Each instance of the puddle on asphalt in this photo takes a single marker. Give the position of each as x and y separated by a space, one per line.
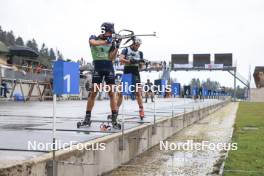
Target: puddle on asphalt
214 129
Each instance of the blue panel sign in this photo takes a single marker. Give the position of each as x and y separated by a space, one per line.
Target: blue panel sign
66 77
205 92
195 91
160 84
176 88
127 82
209 92
214 93
187 90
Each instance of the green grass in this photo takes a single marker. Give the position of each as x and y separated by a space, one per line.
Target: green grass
250 154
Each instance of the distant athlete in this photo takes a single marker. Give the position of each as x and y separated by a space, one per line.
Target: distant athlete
149 92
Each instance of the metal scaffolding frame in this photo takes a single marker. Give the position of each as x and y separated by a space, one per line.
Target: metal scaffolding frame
231 70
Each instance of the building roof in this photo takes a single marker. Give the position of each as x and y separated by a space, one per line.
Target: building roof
258 69
259 78
22 51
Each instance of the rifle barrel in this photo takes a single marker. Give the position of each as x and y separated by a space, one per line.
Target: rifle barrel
132 35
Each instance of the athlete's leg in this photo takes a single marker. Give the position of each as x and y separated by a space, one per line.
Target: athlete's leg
152 96
114 108
139 100
119 96
96 82
110 81
112 98
91 97
139 97
119 99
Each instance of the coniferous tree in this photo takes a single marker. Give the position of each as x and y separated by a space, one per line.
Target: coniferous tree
44 51
29 44
34 45
11 38
52 54
59 55
1 34
19 41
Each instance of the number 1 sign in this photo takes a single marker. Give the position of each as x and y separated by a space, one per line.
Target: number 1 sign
66 77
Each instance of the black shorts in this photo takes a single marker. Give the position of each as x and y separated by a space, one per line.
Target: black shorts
134 71
109 77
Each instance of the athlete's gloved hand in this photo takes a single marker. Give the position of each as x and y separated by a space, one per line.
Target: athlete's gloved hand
109 40
133 61
118 42
142 61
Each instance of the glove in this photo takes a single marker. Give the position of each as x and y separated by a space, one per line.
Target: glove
142 61
133 61
118 42
109 40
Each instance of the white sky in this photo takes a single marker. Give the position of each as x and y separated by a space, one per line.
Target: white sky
183 26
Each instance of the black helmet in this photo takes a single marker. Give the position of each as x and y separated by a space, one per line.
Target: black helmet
107 27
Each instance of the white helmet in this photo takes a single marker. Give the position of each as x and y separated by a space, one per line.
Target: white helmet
137 40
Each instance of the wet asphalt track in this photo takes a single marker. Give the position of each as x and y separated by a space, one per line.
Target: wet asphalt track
21 123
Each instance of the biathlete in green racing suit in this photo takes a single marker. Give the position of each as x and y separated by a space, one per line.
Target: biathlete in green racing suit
104 51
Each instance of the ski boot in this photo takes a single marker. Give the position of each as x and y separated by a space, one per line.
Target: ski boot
85 122
141 113
109 117
115 124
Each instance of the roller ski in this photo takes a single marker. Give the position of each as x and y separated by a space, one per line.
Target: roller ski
85 122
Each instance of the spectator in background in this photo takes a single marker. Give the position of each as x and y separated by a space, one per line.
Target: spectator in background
38 68
30 68
148 91
82 62
3 89
164 65
146 64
